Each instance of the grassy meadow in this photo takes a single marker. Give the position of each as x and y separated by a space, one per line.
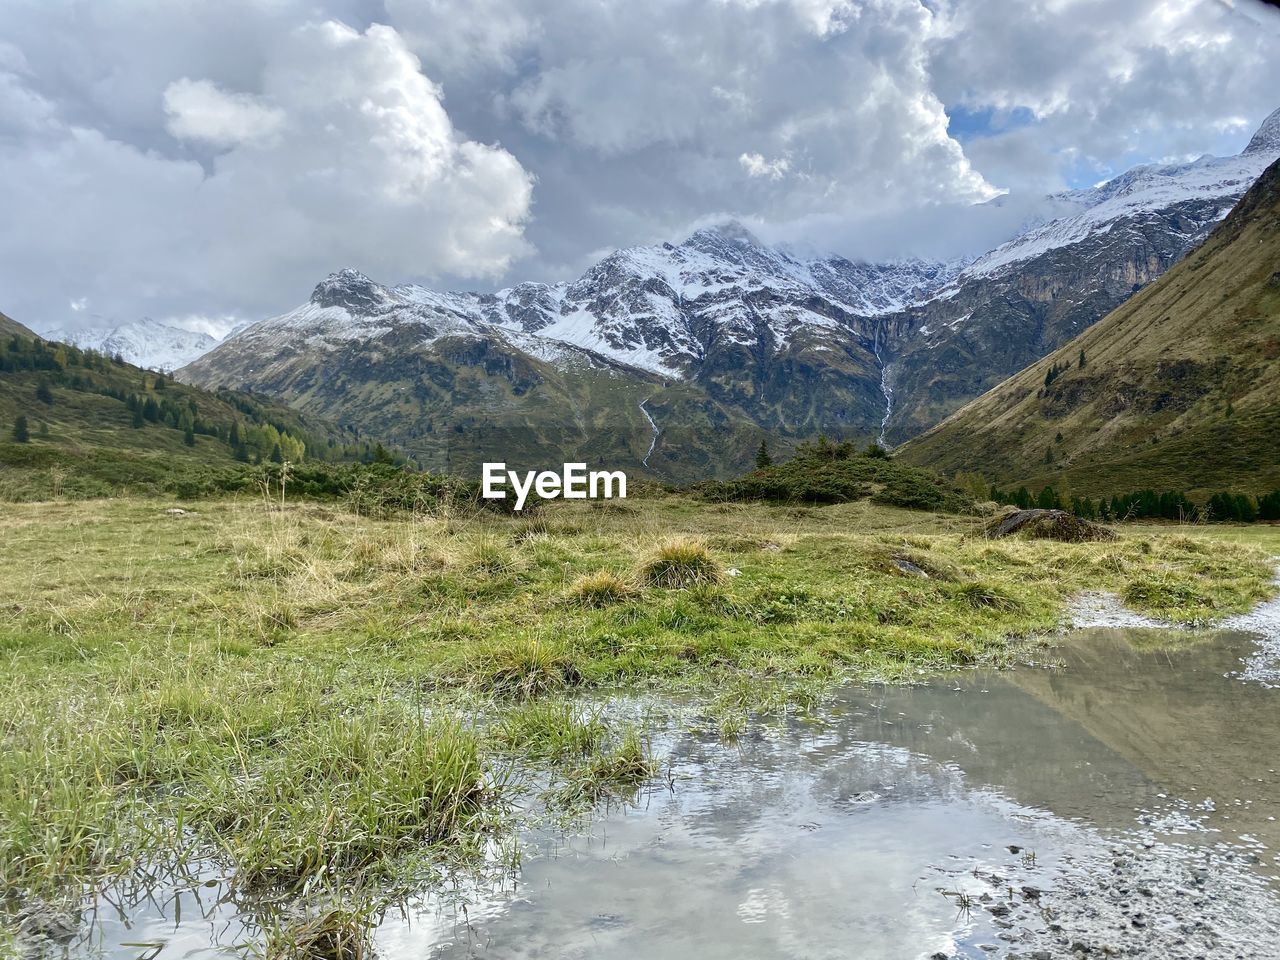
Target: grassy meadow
325 700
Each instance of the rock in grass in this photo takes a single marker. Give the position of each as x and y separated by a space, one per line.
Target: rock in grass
1048 525
39 920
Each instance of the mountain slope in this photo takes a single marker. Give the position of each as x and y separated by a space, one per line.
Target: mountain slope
10 327
1180 387
97 427
144 343
1031 295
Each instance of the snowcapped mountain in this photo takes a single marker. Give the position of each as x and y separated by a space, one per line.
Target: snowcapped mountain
144 343
721 326
1218 181
658 309
724 339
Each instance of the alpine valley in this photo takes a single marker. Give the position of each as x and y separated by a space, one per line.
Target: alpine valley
677 360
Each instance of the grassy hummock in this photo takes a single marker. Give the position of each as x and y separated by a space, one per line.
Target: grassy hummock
324 698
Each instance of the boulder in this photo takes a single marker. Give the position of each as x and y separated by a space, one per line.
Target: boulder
1048 525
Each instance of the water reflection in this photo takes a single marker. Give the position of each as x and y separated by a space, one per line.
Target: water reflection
905 822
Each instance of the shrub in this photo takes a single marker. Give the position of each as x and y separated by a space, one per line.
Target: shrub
834 474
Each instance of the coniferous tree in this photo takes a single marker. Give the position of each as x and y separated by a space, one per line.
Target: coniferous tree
762 456
138 419
189 437
1269 506
1082 360
44 394
21 431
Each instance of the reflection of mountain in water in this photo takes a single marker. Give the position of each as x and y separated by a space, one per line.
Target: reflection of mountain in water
1178 716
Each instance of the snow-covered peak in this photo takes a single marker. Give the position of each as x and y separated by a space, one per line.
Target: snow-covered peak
715 238
1216 181
1267 138
656 308
351 289
144 343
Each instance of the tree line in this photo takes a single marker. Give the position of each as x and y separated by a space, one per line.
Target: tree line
1149 505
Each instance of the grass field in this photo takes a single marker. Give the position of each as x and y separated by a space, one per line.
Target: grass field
323 700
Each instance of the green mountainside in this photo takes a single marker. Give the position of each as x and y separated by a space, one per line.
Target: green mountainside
10 327
1179 388
77 423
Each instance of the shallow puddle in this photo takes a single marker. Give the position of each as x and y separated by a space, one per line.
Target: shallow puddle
1123 800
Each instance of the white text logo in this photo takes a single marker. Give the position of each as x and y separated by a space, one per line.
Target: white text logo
572 483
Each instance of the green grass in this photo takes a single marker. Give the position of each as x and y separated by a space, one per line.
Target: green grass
326 699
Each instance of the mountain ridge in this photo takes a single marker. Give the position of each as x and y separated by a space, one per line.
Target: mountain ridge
11 327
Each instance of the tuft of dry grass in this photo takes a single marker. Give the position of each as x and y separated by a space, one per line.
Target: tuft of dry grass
600 589
681 562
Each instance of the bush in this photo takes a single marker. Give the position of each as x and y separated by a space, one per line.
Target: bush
835 474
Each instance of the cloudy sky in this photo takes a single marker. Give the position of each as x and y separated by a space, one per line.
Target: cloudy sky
201 162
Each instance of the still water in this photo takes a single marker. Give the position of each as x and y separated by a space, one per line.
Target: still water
1123 799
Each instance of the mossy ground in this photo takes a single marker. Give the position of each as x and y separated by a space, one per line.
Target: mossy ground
327 699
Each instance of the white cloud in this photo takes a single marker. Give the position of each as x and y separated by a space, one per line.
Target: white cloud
1107 84
199 110
345 155
215 160
757 166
